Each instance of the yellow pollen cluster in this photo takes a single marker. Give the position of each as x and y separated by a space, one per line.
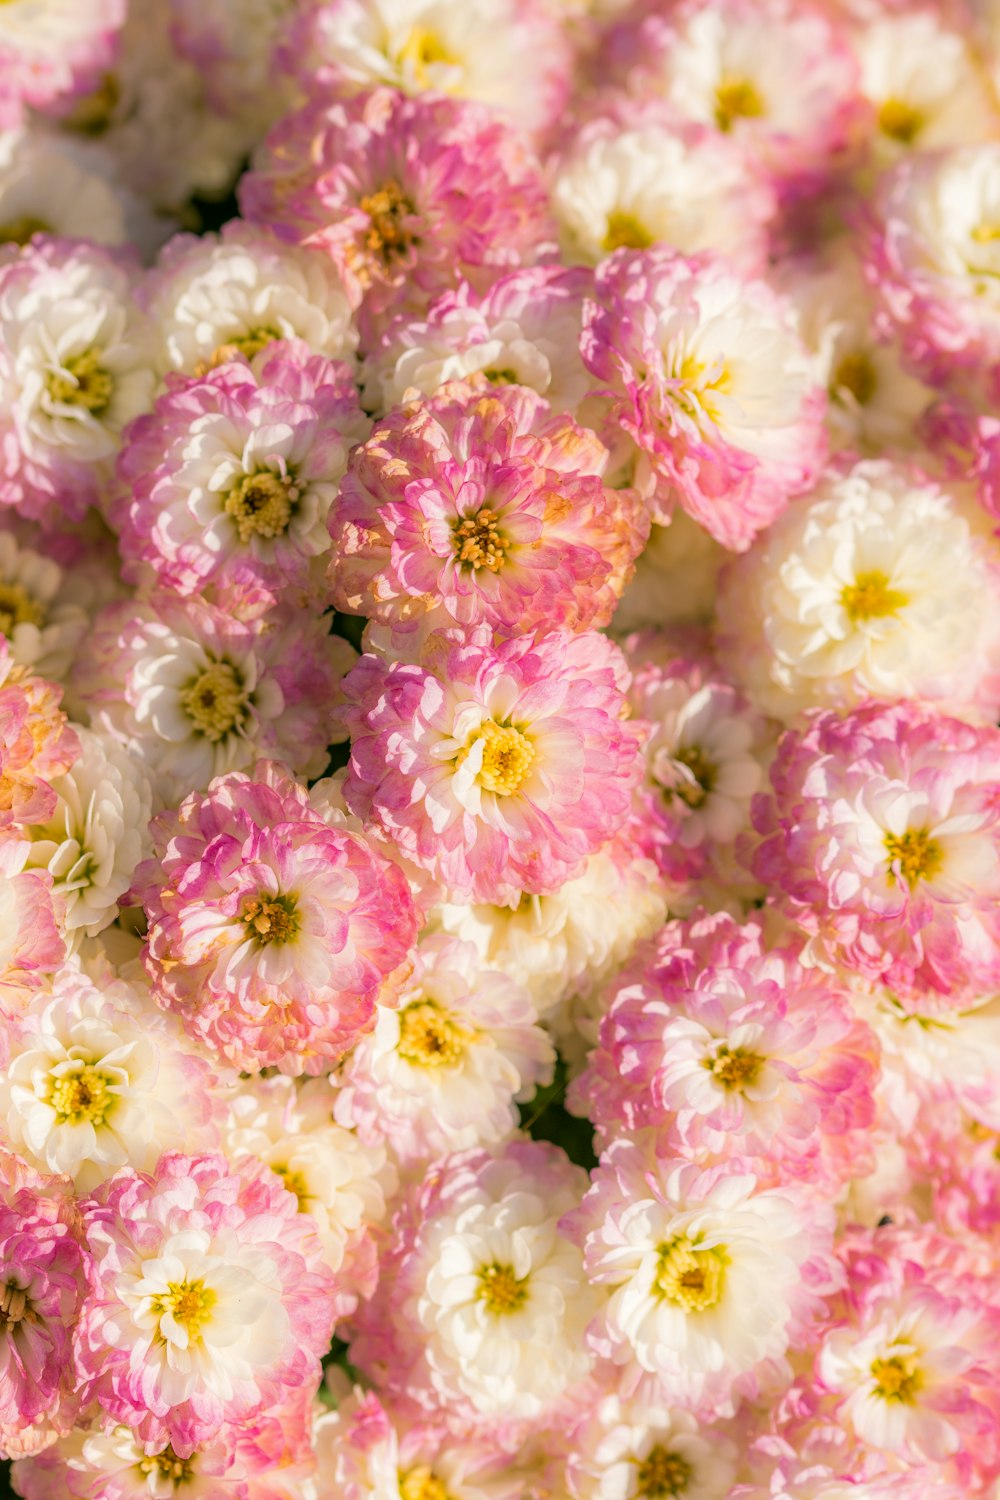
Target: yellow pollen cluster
479 542
295 1183
429 1037
190 1304
421 1484
689 1277
986 234
500 377
168 1466
94 113
625 231
662 1474
215 701
388 209
500 1290
270 920
919 855
735 1070
897 1378
14 1306
703 771
20 231
262 504
736 99
423 49
870 597
17 607
82 381
856 374
900 121
248 344
81 1097
507 757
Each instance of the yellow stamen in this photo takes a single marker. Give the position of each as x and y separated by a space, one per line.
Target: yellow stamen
421 1484
248 344
500 1289
17 607
507 757
94 113
168 1466
856 374
19 231
735 1070
662 1475
270 920
900 121
625 231
388 209
14 1306
690 1278
81 1097
693 793
215 701
190 1304
294 1183
918 854
85 383
479 542
424 49
262 504
429 1037
870 597
736 99
897 1378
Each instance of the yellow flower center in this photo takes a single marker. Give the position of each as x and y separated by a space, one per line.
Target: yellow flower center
168 1466
17 607
625 231
388 209
421 1483
870 597
735 1070
479 542
82 1096
736 99
262 504
215 701
429 1037
248 344
424 49
919 855
270 919
688 1277
507 757
662 1474
294 1183
14 1306
500 1289
897 1378
190 1304
693 793
94 113
82 381
856 374
20 231
501 377
900 121
986 234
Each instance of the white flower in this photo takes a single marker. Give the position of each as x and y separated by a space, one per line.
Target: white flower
874 586
100 1079
214 297
675 578
629 1451
42 610
97 834
47 186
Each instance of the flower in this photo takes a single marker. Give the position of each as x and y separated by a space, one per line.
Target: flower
499 768
624 1450
269 931
43 608
36 744
51 51
47 186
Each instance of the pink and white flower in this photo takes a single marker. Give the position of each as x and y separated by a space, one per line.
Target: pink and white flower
53 51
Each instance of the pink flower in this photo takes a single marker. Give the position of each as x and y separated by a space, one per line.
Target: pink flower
497 767
705 373
227 484
31 944
42 1277
209 1299
881 839
54 53
482 507
722 1046
406 195
36 744
270 932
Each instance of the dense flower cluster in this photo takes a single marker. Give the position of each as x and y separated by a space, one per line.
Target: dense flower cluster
499 765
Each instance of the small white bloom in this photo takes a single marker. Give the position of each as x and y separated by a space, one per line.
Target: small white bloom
43 609
631 1451
47 186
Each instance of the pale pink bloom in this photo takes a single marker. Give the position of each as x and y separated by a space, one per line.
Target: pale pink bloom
621 1448
31 943
497 767
37 745
706 374
209 1299
406 196
113 1464
881 839
482 507
54 52
269 931
226 486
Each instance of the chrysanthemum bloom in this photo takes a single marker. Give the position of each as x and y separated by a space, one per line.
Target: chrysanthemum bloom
442 1071
933 257
722 1046
44 606
194 692
965 440
53 51
94 1079
497 767
233 45
228 483
49 186
483 1304
707 376
31 944
42 1276
36 744
875 585
76 365
481 507
524 330
342 1183
703 758
236 292
405 195
90 1464
209 1299
270 932
512 55
781 79
880 838
636 175
709 1277
626 1450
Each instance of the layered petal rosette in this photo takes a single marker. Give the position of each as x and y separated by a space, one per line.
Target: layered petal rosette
496 767
269 931
53 51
